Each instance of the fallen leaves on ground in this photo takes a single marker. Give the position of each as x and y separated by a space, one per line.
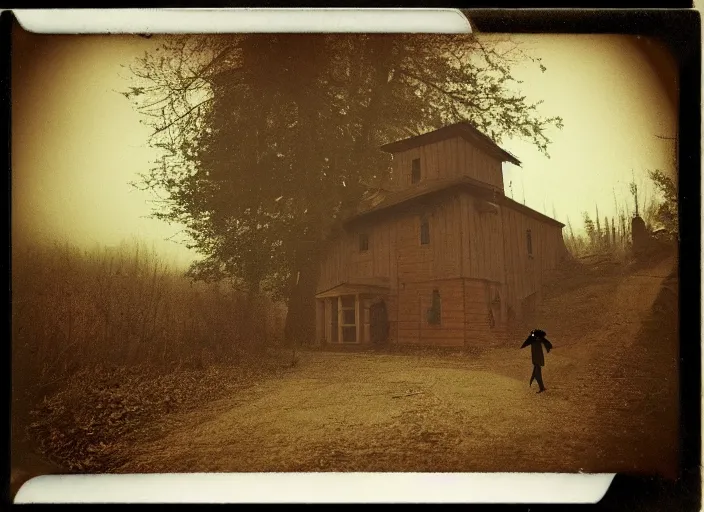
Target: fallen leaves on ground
86 426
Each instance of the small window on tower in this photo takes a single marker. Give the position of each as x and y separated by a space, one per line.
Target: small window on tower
424 231
363 242
529 243
415 170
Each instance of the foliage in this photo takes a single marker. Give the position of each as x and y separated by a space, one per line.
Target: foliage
666 212
103 341
269 140
76 309
615 236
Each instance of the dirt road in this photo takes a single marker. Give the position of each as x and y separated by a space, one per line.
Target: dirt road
610 405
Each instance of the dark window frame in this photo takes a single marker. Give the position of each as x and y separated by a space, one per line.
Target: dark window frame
415 171
529 242
434 315
348 305
363 242
424 230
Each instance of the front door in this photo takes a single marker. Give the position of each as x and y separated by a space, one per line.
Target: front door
378 322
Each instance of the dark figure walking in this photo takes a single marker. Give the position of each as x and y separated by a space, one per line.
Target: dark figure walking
536 340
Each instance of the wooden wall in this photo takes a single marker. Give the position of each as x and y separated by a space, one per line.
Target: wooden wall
450 158
524 273
475 163
480 310
440 259
473 256
343 261
483 242
414 300
395 251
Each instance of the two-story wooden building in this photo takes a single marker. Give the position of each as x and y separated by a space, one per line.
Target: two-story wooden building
451 257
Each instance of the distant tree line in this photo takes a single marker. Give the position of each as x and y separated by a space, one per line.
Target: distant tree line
613 234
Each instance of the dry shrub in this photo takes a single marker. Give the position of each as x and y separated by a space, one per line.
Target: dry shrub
119 313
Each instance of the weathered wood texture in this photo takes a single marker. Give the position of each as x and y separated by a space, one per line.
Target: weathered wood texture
484 318
414 300
477 258
395 251
464 243
449 158
482 242
440 259
344 261
524 271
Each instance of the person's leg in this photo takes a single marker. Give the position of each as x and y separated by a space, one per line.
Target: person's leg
532 377
539 378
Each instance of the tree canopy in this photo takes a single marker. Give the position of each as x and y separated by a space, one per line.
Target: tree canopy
269 140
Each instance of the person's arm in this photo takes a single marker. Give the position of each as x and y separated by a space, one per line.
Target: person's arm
547 343
528 341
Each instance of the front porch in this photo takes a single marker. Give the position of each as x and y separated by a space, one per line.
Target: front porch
343 313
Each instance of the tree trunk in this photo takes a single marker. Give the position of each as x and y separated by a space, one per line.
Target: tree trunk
300 317
253 318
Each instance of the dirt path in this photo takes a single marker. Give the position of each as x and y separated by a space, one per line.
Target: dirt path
603 410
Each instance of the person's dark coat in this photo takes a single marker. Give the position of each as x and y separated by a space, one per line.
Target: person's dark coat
536 340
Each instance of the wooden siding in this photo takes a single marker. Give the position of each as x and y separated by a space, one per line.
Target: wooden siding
393 316
477 257
395 251
343 261
414 300
524 272
440 259
475 163
479 310
482 242
446 159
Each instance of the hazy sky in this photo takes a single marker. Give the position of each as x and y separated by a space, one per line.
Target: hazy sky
77 143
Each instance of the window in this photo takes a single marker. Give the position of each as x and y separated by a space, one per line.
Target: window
424 231
415 170
363 242
333 321
349 319
529 243
434 311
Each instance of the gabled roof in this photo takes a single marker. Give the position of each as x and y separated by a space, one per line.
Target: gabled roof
425 188
465 130
436 187
369 285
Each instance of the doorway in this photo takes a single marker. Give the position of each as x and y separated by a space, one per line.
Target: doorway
378 322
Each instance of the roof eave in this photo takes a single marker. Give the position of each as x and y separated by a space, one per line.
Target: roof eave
464 183
452 131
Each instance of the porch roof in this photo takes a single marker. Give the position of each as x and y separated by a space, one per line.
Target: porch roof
373 286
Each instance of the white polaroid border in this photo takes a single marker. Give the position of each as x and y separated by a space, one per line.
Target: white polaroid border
318 488
184 21
289 487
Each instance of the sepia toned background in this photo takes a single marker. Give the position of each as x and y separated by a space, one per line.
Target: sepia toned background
77 143
122 364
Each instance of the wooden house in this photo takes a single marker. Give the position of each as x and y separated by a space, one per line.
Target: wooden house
452 259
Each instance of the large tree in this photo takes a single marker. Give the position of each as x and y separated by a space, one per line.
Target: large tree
269 140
